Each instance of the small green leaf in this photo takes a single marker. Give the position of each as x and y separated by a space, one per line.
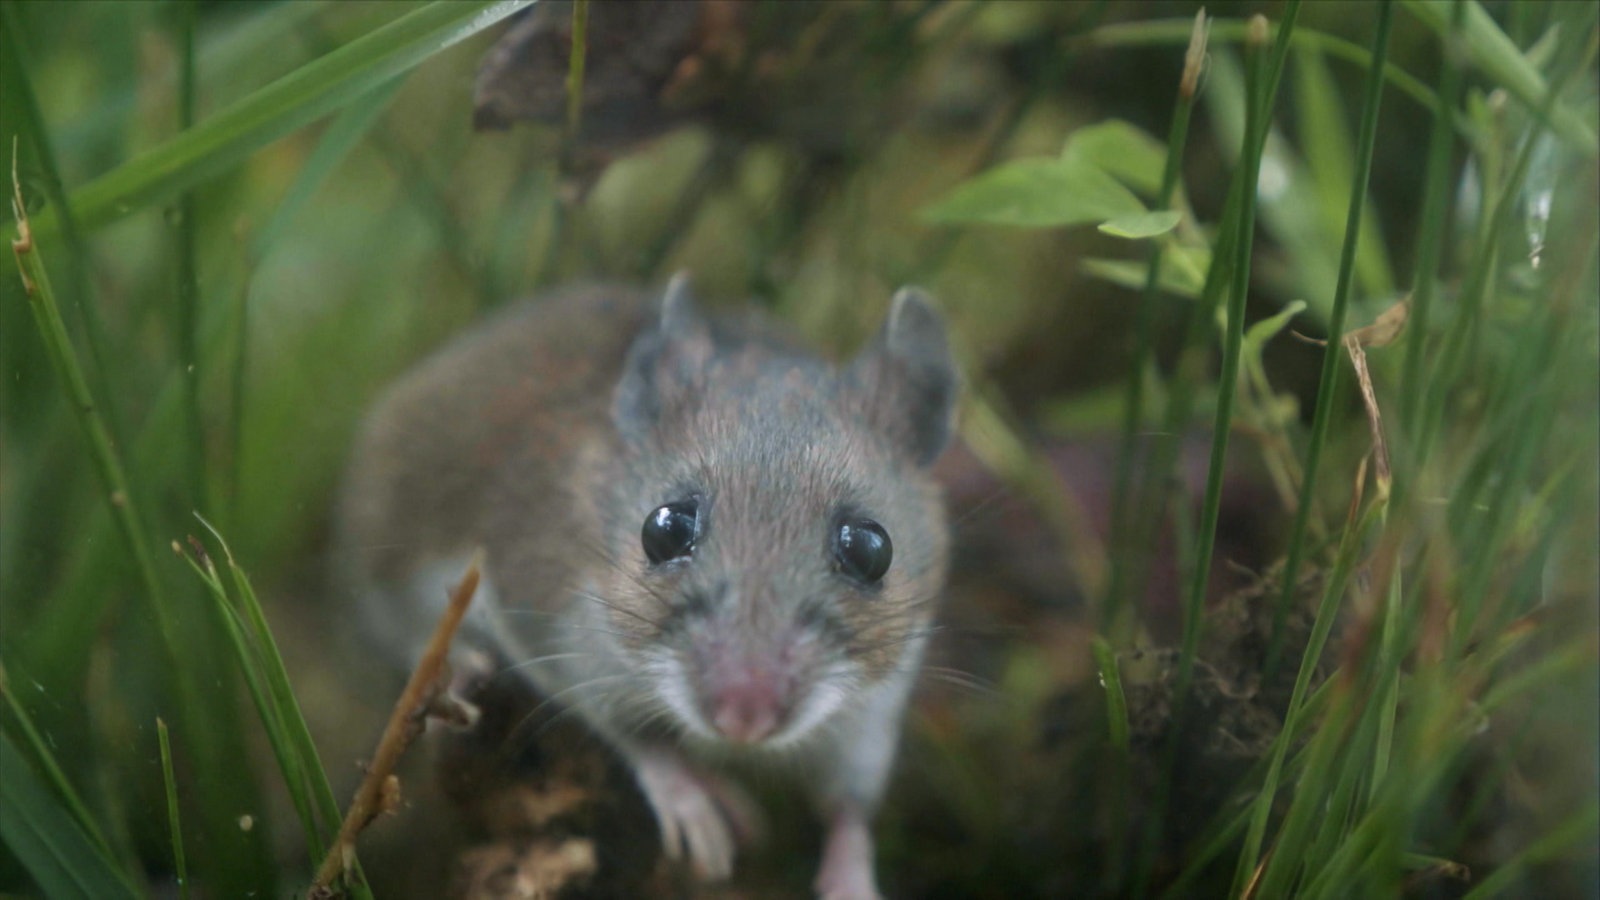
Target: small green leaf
1142 225
1036 193
1182 271
1120 149
1257 335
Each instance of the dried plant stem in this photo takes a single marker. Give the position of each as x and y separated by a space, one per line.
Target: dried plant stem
405 722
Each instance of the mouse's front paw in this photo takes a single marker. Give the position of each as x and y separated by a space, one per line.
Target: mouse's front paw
847 862
697 813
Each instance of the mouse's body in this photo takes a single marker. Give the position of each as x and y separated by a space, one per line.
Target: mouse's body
711 545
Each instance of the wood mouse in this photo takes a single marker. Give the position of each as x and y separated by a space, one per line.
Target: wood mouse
716 548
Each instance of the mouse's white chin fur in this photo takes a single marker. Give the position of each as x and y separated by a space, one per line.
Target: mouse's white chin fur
820 702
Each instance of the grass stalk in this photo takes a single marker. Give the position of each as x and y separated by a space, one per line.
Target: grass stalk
257 654
1328 386
1122 548
198 714
1433 227
1257 113
62 860
1321 627
113 479
290 764
46 759
18 78
1480 276
186 324
1229 269
575 61
179 865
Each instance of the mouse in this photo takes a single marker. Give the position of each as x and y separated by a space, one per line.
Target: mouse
719 549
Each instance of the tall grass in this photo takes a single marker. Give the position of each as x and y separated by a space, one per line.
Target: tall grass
233 278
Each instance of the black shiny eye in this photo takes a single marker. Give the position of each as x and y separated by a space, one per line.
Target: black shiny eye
863 550
670 531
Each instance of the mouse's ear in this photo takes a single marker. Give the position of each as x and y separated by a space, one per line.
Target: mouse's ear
665 363
908 379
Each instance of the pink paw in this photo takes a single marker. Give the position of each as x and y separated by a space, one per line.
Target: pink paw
847 862
699 815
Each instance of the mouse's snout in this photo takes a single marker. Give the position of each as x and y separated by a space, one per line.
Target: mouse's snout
747 702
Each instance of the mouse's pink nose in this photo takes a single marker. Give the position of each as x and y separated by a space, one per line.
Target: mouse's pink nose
748 708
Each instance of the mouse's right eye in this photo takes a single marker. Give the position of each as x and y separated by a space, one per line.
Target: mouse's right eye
669 532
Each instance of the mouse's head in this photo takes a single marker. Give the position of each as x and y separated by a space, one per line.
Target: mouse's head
776 544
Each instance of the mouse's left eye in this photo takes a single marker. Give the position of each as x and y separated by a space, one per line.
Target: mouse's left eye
670 531
863 550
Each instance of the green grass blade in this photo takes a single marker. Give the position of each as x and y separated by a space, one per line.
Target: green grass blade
1333 353
1105 660
185 320
302 96
1176 31
52 769
16 74
1226 272
63 860
174 823
1133 404
1493 52
283 750
1433 225
286 707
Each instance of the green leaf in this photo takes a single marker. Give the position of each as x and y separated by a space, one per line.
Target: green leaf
62 859
1257 335
1182 271
1036 193
1143 225
304 95
1120 149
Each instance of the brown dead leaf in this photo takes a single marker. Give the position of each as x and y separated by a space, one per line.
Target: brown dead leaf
1386 327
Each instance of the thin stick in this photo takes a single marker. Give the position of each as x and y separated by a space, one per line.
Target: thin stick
405 723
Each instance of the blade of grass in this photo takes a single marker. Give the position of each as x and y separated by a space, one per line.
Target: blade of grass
1232 31
276 678
52 770
185 321
113 480
1453 356
1133 405
198 712
171 783
1432 227
1260 93
290 764
1322 625
1105 660
228 137
18 80
63 860
1332 364
1489 48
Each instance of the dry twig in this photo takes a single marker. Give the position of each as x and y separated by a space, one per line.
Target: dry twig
379 791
